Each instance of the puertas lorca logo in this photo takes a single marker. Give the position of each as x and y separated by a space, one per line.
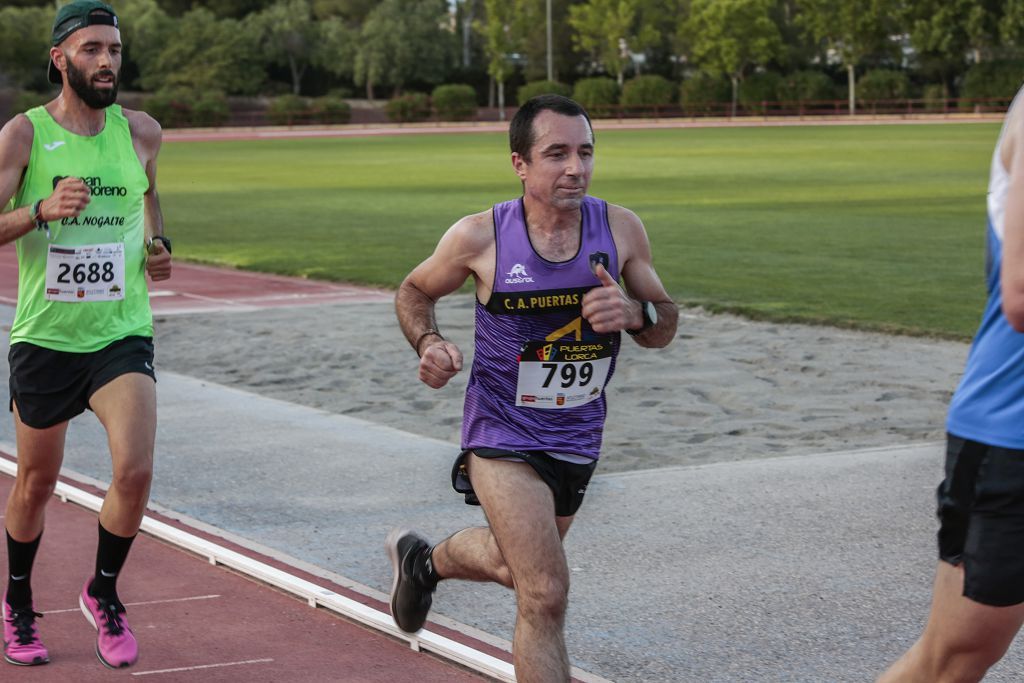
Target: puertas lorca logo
518 275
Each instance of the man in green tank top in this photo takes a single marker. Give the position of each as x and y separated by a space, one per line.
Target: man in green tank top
78 179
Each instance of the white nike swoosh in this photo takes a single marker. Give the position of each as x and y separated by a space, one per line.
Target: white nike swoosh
19 578
53 145
108 574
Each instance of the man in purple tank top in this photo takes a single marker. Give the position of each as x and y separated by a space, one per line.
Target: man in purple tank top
549 315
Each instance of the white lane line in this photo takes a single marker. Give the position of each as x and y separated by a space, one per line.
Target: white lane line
201 666
147 602
313 594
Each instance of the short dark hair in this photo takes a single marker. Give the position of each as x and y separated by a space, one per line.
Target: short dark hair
520 131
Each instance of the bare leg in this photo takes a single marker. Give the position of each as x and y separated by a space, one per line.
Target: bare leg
127 408
962 640
523 549
40 453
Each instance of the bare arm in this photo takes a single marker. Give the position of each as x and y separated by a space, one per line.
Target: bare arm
147 137
69 197
610 309
1012 270
441 274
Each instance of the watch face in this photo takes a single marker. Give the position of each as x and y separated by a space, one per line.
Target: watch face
652 312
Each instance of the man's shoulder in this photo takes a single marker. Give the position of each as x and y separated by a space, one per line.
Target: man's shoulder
144 127
619 217
19 131
16 140
476 228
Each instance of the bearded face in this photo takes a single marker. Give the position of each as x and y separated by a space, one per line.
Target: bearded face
98 90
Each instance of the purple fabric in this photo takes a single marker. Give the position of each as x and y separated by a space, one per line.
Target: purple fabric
491 418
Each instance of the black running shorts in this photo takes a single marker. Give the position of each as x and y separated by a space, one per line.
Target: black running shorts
50 387
981 511
567 480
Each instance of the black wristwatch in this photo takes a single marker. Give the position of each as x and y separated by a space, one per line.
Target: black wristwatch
165 240
650 314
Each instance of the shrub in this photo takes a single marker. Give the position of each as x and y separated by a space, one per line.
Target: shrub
330 109
171 107
990 80
648 91
211 109
806 86
454 102
703 93
758 89
288 110
883 84
934 96
534 88
413 106
598 95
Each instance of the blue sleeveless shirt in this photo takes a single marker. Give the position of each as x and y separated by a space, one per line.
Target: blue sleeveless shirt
539 369
988 406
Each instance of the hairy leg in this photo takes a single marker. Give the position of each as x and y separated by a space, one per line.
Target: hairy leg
962 639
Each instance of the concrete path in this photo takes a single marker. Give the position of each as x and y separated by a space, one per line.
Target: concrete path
806 568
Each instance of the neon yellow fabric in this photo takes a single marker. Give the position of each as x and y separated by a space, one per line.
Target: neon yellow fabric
108 164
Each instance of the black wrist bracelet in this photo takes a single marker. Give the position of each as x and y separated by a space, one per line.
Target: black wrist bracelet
423 336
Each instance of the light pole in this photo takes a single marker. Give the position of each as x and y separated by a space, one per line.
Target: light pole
551 64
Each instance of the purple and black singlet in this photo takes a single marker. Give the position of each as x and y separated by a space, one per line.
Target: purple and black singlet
539 370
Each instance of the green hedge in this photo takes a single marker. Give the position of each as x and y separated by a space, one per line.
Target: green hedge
702 92
598 95
648 91
759 88
454 102
806 86
171 107
330 109
407 108
29 99
211 109
883 84
534 88
989 80
288 110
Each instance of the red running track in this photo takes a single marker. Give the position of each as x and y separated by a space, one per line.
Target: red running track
206 289
198 622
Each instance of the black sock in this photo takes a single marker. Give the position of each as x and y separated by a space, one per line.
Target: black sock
428 576
111 552
20 557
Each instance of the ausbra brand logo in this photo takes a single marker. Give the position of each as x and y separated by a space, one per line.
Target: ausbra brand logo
518 275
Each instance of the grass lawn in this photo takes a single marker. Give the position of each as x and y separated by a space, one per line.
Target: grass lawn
878 227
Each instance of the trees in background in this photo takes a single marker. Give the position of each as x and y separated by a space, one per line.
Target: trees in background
312 47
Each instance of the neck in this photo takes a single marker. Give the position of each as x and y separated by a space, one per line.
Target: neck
72 114
547 219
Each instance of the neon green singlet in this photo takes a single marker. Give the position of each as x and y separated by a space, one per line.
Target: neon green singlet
108 164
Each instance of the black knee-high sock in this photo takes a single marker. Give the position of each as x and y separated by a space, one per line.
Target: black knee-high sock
20 557
111 552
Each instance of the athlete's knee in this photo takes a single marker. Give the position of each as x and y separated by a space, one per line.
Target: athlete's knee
545 597
133 476
34 488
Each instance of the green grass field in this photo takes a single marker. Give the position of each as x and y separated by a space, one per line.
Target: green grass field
877 227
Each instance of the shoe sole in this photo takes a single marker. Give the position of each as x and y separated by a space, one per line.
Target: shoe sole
88 615
391 544
17 663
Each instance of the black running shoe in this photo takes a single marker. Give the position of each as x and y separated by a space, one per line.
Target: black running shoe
411 595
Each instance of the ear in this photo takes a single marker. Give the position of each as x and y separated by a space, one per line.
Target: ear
59 59
519 165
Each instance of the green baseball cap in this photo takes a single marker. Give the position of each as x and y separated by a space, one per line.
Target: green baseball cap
73 16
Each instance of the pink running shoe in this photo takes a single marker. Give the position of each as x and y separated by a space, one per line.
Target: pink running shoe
21 637
116 646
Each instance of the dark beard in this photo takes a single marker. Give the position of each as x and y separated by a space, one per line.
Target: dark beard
93 98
